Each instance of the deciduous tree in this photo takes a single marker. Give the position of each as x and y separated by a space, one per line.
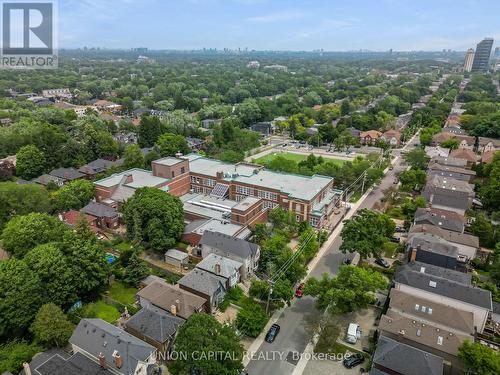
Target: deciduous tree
51 327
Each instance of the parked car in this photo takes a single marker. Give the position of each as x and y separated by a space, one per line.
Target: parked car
383 263
272 333
400 229
354 360
346 261
395 239
298 292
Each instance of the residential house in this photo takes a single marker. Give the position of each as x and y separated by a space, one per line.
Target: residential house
430 249
445 291
196 144
437 151
445 273
487 157
58 362
205 284
171 298
98 166
354 132
113 348
465 153
106 217
457 173
237 249
448 220
67 174
488 145
392 137
221 266
441 137
466 244
466 142
395 358
107 106
194 230
154 326
369 137
208 123
45 179
452 162
448 194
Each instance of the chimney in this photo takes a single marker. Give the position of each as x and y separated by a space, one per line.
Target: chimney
118 360
27 369
173 310
178 154
217 268
102 360
413 254
178 304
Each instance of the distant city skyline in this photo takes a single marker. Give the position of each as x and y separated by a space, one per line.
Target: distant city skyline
401 25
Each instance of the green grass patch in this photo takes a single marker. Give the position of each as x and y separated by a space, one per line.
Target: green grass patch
181 245
389 249
122 293
396 213
355 196
122 246
264 160
100 310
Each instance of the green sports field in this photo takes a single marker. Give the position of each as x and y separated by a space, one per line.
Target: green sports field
291 156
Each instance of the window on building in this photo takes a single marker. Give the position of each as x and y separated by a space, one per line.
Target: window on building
429 311
417 307
440 340
419 332
173 174
424 308
183 170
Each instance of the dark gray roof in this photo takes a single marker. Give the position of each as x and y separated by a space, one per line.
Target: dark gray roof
66 173
97 336
78 364
405 359
155 323
456 162
432 243
446 198
376 371
444 287
229 244
96 166
202 281
99 210
42 357
442 218
146 150
44 179
445 273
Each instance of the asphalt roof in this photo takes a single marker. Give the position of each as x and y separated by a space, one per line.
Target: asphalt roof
444 287
67 173
448 235
202 281
77 364
445 219
405 359
227 266
446 273
155 323
99 210
229 244
432 243
96 336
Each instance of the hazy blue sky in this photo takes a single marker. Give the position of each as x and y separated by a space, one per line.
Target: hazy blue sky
335 25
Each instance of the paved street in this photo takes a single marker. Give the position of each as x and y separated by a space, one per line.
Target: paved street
293 335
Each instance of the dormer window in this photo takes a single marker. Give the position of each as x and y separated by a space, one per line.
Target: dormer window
432 284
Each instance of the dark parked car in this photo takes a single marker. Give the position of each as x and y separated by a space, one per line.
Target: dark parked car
395 239
400 230
272 333
382 262
346 261
354 360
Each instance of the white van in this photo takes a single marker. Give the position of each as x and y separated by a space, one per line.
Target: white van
352 333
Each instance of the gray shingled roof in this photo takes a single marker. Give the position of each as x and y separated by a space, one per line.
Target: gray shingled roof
155 323
227 266
442 218
432 243
448 235
229 244
78 364
202 281
446 273
96 166
444 287
66 173
405 359
99 210
97 336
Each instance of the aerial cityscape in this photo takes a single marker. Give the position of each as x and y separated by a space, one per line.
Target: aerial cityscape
249 187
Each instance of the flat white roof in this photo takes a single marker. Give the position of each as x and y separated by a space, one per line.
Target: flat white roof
169 161
140 178
297 186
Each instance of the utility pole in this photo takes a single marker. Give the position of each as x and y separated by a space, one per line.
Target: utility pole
271 286
364 180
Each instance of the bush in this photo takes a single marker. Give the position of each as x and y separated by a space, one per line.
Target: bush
14 354
251 319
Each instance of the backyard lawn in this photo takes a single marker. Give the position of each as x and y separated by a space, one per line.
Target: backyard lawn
101 310
291 156
122 293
